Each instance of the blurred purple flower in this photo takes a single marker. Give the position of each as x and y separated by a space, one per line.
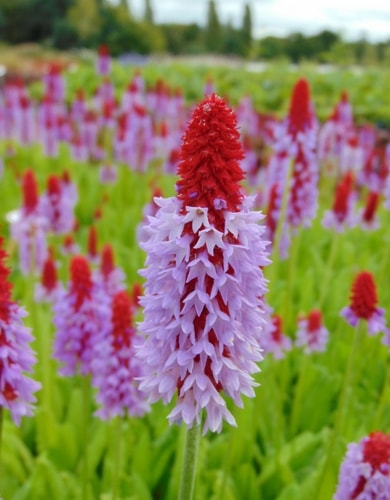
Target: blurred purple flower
16 356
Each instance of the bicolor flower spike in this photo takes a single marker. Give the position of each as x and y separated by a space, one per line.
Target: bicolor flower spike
16 356
364 304
116 370
203 305
311 333
81 317
365 471
275 342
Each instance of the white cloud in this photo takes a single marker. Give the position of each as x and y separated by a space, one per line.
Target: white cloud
351 18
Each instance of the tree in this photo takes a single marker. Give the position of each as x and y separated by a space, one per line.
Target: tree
246 31
123 34
85 17
148 14
213 34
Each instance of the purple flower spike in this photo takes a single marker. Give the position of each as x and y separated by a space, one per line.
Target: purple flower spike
364 473
116 370
81 317
203 304
16 356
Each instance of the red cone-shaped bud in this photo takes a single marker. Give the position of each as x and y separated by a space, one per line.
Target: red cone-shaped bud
66 177
92 242
107 261
299 113
103 50
81 281
314 320
371 207
49 274
376 452
342 196
122 320
30 192
211 151
364 297
277 327
53 185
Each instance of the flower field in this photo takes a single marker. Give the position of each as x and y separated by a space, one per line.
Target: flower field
174 238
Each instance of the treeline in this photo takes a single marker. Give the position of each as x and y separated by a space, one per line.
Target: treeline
68 24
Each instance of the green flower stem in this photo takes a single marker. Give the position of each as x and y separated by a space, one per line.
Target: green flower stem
298 394
290 277
84 444
189 463
328 267
323 493
382 398
117 424
272 269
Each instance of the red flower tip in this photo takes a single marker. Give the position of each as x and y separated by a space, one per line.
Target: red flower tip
299 112
344 96
98 214
122 320
66 177
376 452
30 192
80 94
211 150
277 327
342 194
49 274
81 281
54 68
53 185
314 320
92 242
371 206
107 260
104 51
5 285
68 241
271 218
364 298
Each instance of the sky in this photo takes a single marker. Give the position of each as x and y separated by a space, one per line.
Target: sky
352 19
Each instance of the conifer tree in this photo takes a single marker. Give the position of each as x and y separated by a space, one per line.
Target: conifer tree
246 30
148 14
213 33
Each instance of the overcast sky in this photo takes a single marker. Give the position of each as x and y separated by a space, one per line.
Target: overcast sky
351 18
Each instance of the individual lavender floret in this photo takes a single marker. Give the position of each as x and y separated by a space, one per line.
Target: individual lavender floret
108 174
16 356
116 370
